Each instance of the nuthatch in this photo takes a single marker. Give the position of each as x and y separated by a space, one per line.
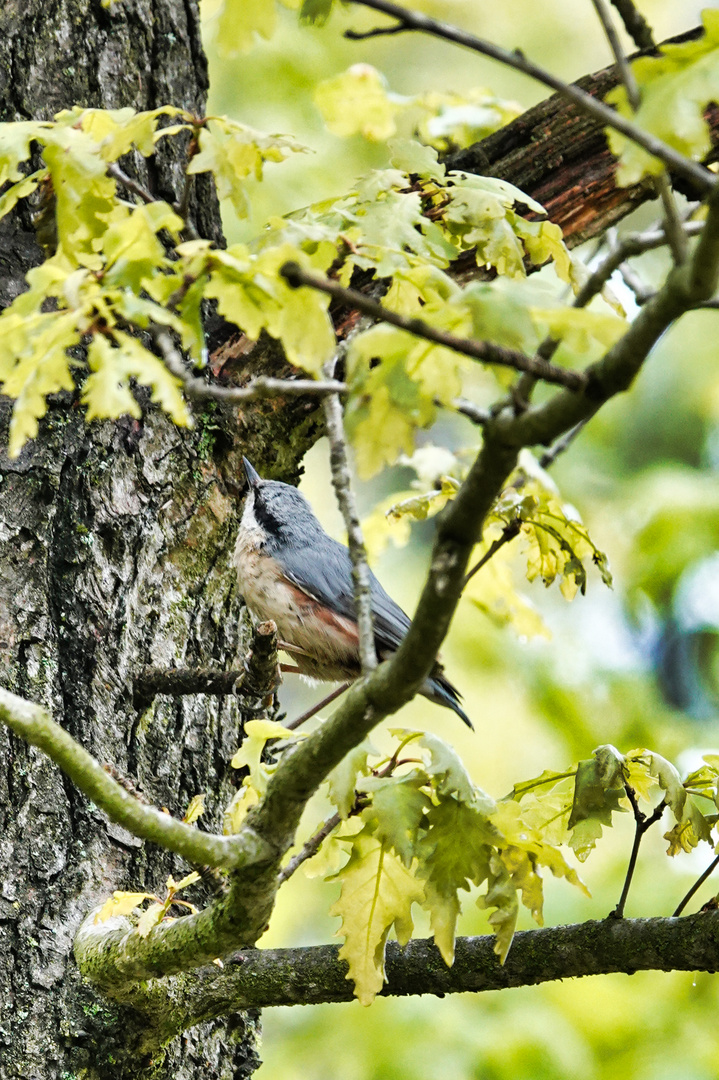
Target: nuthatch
292 572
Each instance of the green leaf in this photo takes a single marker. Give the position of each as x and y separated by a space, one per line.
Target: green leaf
357 103
117 131
107 389
239 24
253 295
152 916
676 87
20 190
397 812
450 776
41 368
232 152
455 851
315 11
415 159
377 894
121 903
502 896
344 777
131 247
599 786
257 734
15 140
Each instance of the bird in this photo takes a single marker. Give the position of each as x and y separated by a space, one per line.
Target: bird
292 572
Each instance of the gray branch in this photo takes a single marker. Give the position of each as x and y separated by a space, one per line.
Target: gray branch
342 482
261 978
485 351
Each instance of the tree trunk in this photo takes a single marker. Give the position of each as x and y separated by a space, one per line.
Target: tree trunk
114 540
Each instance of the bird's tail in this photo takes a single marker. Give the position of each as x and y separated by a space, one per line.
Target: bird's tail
440 690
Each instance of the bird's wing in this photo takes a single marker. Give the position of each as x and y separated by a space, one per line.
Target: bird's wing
326 575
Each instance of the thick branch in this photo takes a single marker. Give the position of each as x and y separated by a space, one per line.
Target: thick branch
260 978
33 724
559 156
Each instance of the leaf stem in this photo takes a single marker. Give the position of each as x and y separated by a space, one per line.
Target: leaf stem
511 529
642 823
696 886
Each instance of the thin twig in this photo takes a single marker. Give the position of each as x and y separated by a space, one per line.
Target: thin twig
114 170
635 24
702 178
695 887
642 823
299 720
471 411
342 482
628 247
509 532
485 351
635 284
550 456
182 206
625 72
310 848
261 387
378 31
675 234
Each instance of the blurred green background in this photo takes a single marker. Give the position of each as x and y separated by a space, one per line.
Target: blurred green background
637 666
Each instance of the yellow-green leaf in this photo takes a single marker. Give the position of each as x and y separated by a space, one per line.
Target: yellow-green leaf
121 903
377 894
357 103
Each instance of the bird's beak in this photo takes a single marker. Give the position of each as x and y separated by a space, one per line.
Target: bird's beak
253 477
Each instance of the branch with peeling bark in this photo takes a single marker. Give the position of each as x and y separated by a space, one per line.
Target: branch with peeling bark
408 20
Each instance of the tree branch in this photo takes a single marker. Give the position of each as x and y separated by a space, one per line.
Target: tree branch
271 826
35 725
257 389
257 678
696 174
342 483
675 234
485 351
261 978
635 24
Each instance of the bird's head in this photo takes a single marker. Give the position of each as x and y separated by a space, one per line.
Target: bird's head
279 511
